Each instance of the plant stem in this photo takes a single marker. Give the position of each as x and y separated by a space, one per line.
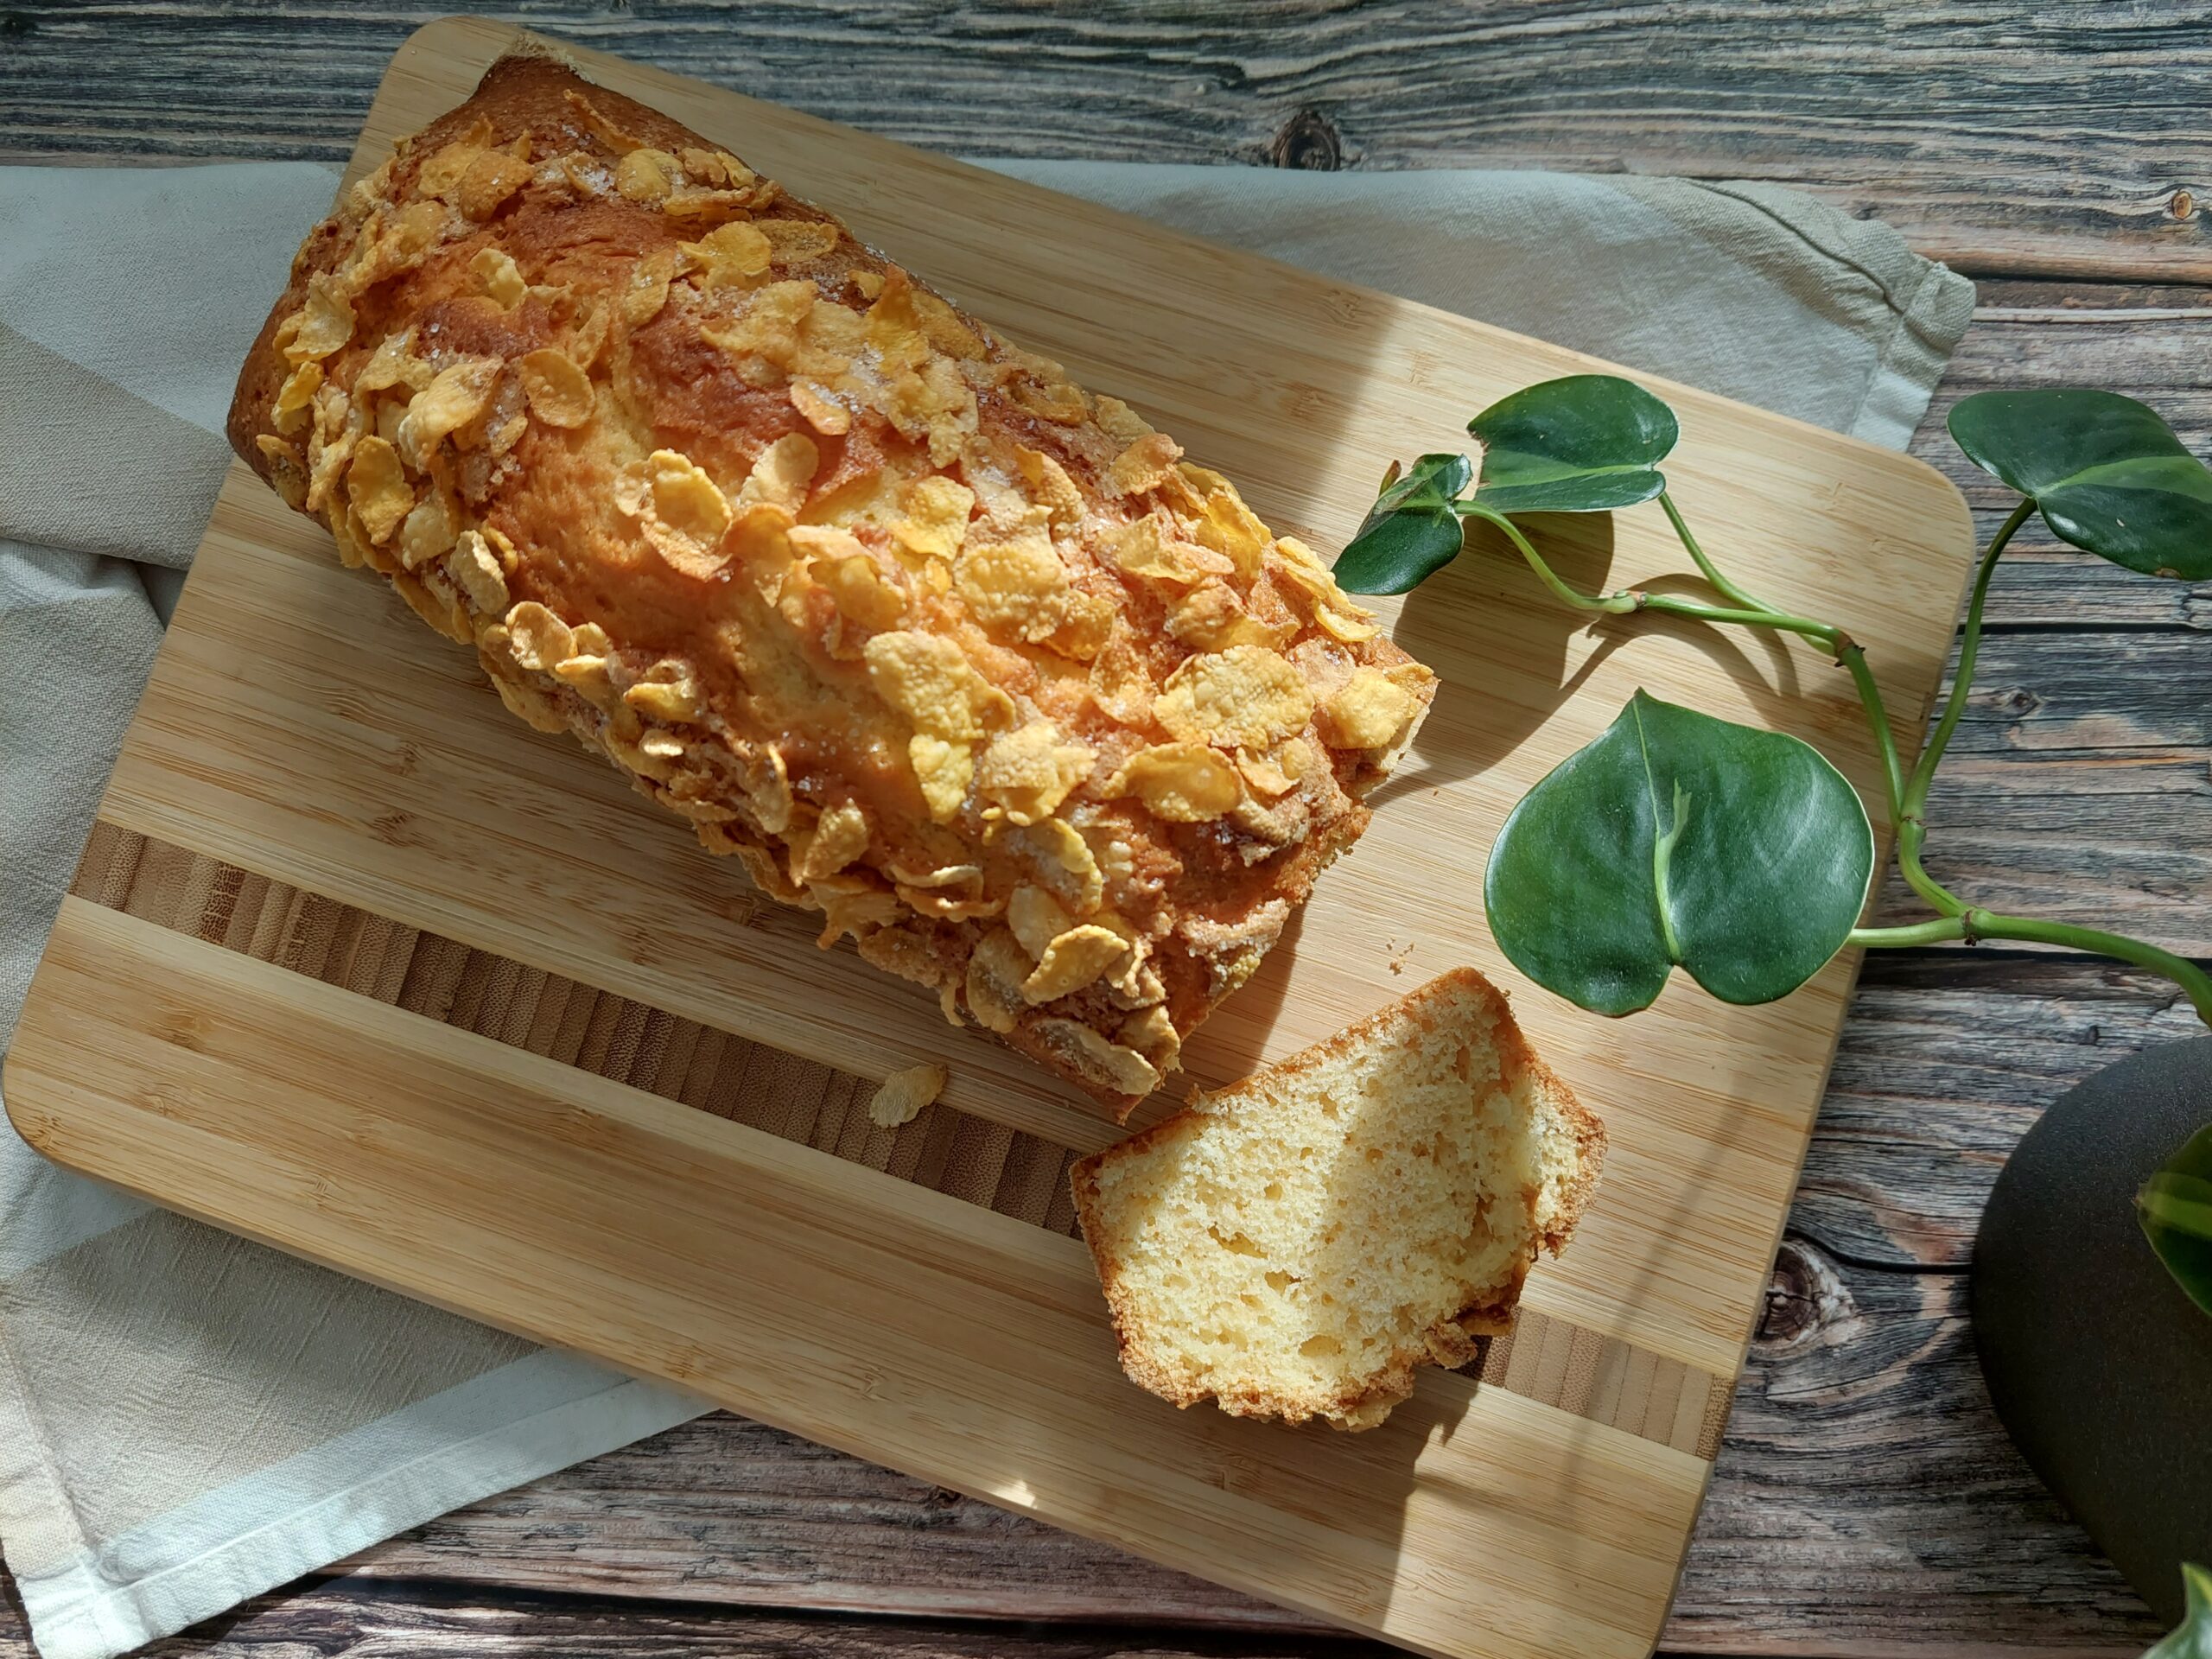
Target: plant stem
1911 810
1727 589
1612 604
1916 794
1942 928
1853 656
1669 605
1973 923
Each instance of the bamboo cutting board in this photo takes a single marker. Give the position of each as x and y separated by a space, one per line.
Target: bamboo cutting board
357 965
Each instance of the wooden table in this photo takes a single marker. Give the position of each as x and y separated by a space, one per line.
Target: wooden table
1866 1502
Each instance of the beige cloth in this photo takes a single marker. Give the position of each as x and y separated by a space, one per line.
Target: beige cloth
186 1419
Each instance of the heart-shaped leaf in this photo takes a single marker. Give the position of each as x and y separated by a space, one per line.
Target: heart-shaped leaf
2108 475
1586 443
2192 1637
1679 840
2174 1207
1411 532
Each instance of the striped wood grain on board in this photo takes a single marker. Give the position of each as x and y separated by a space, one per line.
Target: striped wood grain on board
1549 1360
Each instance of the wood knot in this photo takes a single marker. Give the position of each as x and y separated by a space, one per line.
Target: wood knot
2182 204
1806 1301
1308 141
16 26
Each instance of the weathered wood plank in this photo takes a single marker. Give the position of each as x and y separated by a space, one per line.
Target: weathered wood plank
1868 1504
1867 1501
2059 141
320 1619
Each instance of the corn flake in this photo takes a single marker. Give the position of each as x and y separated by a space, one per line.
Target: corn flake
288 473
936 403
539 639
1294 564
1107 1063
942 326
1017 587
499 276
795 241
850 573
1224 523
768 789
1347 629
1145 465
1117 420
942 769
476 570
325 322
1120 683
490 178
828 341
1245 697
559 393
683 513
289 412
934 524
455 397
669 691
930 682
393 364
771 326
1146 548
728 257
895 328
1050 484
1368 711
1152 1035
718 168
1037 919
1055 852
781 473
1030 771
648 290
1182 783
1061 403
1073 961
903 1093
818 409
1266 774
599 125
839 837
645 175
376 486
992 984
1213 617
689 203
326 460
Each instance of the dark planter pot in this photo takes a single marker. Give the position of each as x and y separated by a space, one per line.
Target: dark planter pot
2099 1367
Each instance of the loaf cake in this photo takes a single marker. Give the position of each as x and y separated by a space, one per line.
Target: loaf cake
936 642
1296 1246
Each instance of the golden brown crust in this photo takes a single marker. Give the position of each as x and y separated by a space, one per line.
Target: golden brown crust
1451 1341
932 639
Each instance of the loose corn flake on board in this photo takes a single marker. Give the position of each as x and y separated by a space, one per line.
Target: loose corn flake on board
357 965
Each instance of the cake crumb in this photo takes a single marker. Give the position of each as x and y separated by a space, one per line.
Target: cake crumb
903 1093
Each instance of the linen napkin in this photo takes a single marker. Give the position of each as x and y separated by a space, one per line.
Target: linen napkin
186 1419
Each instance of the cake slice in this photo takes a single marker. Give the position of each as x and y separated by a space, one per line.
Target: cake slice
1295 1246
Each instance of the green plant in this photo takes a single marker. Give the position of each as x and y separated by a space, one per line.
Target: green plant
2174 1207
1741 856
2192 1637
